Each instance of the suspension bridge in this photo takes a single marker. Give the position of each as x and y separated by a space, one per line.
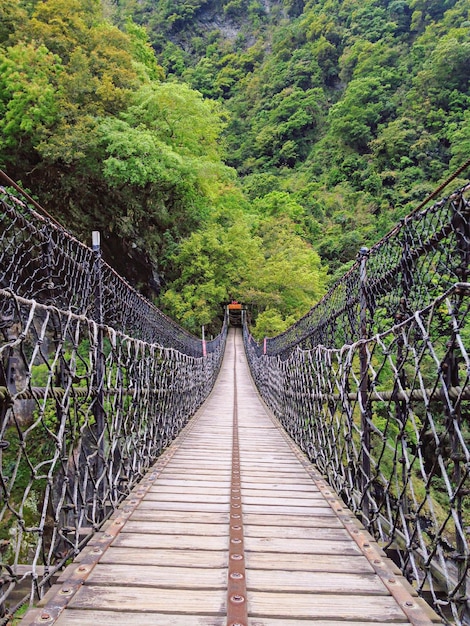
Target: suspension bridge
149 477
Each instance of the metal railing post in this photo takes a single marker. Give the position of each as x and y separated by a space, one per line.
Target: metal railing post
401 408
98 405
204 347
364 389
461 223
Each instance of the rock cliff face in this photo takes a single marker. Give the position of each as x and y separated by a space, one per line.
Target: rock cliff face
211 18
236 22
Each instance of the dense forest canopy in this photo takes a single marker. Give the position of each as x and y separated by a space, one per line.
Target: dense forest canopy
233 148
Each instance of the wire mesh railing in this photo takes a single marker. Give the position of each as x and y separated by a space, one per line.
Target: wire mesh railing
373 384
42 261
95 382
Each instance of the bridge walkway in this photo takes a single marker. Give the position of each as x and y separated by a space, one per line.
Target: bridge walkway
184 549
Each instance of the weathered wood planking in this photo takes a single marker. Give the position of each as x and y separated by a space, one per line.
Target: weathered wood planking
162 577
168 564
312 606
145 599
161 557
74 617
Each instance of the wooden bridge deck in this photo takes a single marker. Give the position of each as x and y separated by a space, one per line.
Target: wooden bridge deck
295 555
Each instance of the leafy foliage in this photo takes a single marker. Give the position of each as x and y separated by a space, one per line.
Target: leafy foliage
364 100
255 258
28 84
337 115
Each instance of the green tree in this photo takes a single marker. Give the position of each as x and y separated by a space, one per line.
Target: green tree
62 25
289 278
29 96
163 155
446 74
460 139
211 264
142 53
12 17
354 119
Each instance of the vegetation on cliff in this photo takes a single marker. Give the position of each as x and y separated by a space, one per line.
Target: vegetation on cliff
233 148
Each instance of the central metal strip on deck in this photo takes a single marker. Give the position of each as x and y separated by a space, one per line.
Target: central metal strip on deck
163 559
236 584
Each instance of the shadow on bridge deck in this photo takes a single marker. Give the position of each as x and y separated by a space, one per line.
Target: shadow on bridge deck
184 549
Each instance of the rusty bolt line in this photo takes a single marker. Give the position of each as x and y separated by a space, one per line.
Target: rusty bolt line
237 613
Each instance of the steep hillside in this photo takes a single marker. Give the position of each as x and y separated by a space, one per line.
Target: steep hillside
233 148
351 109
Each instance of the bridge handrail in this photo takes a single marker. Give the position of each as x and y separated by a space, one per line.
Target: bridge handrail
374 385
85 410
95 382
40 260
400 277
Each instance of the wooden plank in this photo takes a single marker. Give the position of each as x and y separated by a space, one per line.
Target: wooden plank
279 494
179 542
208 431
198 474
206 448
257 456
220 437
312 563
265 500
300 546
175 528
314 582
258 475
215 465
260 464
287 510
143 600
165 557
192 482
189 491
275 482
73 617
273 445
304 521
328 533
158 576
268 621
313 606
196 471
196 442
198 517
183 506
219 459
